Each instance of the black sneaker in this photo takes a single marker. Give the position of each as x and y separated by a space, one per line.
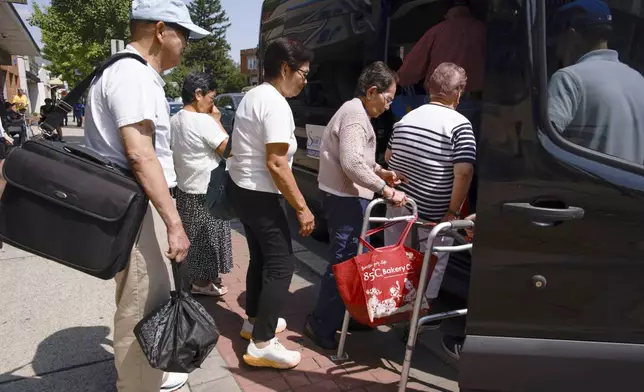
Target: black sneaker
324 343
453 346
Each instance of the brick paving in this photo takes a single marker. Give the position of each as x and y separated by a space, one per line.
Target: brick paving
375 357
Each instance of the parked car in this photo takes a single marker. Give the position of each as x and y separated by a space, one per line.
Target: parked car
175 107
227 105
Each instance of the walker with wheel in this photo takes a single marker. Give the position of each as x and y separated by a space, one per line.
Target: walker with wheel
441 229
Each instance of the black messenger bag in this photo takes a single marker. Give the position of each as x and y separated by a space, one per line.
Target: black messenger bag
68 204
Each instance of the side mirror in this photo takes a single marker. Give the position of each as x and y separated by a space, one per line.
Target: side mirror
228 107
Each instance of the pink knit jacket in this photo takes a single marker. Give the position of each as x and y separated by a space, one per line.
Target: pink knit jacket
348 153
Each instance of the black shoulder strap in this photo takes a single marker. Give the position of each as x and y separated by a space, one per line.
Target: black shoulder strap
64 106
229 145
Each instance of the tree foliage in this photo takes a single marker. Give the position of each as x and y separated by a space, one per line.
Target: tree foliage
209 54
235 80
77 33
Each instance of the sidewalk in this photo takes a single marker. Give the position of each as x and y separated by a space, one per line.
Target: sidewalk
375 357
56 329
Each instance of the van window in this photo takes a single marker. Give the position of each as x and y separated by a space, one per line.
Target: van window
595 87
342 45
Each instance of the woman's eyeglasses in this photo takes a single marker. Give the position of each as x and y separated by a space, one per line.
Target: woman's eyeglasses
388 99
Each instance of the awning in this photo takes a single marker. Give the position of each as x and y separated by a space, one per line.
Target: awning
15 39
56 82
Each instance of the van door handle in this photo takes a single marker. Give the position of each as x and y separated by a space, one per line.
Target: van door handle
543 215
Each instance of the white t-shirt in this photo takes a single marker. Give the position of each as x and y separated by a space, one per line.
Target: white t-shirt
263 117
195 137
127 93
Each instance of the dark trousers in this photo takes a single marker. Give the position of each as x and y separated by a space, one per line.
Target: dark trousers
272 262
344 217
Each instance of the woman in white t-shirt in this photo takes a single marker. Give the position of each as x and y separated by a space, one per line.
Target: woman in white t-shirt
260 169
198 142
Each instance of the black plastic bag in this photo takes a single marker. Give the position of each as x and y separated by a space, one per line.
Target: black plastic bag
217 202
178 336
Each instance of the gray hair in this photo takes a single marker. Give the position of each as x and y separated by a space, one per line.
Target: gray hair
377 74
447 81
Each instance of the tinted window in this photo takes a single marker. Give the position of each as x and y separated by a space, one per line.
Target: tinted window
237 99
225 100
341 34
595 56
175 108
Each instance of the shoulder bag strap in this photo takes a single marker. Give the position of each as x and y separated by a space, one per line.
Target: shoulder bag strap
66 105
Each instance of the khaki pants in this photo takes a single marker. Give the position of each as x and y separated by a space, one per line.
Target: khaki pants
140 288
392 235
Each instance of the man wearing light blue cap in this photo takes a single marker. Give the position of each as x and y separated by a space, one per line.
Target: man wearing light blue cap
595 100
126 118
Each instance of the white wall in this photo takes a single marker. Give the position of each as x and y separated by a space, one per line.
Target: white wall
43 88
34 96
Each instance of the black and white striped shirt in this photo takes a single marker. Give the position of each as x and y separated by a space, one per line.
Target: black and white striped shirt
425 145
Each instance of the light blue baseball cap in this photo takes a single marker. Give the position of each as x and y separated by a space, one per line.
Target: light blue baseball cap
169 11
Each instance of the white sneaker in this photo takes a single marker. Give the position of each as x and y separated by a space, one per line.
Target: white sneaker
273 356
212 290
247 329
173 381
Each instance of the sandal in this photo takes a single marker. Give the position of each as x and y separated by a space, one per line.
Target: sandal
211 290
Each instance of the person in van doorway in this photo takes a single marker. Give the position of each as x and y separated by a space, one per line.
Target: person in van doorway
586 107
435 149
198 142
459 39
126 112
260 169
349 177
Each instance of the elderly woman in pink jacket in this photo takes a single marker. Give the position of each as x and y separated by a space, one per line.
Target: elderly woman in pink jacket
349 177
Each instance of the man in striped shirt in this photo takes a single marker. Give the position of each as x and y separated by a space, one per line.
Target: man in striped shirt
434 149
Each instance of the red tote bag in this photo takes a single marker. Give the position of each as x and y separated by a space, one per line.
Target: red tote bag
380 287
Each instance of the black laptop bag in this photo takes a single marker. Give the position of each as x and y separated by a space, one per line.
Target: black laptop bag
67 204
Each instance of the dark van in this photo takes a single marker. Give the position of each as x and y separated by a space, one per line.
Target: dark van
556 296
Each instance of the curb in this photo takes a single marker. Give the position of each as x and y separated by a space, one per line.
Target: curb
313 262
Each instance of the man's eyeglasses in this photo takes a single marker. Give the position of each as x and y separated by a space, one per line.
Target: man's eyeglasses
305 74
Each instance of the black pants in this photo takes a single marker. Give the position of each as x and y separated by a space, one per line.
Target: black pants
271 256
